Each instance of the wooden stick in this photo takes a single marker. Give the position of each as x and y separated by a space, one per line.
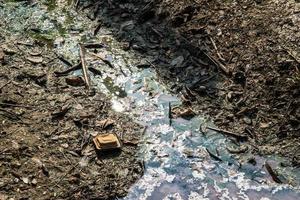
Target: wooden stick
84 68
228 133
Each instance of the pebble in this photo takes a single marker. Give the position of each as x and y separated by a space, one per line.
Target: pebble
247 120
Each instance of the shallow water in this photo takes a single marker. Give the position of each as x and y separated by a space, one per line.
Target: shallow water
177 164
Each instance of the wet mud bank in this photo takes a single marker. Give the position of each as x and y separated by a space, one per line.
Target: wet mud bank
237 62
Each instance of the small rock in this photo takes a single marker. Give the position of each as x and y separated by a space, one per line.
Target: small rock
34 181
8 50
177 62
25 180
65 145
264 125
247 120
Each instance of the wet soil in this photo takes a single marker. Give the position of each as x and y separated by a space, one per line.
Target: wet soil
49 118
236 61
48 121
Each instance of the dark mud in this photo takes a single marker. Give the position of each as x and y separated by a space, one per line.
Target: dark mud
235 61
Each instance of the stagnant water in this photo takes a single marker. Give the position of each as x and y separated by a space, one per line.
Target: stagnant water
177 164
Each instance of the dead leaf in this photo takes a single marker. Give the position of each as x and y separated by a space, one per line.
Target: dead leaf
133 142
186 113
264 125
60 113
35 59
104 123
75 81
272 173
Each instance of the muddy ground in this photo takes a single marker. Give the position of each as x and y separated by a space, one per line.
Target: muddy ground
48 121
236 61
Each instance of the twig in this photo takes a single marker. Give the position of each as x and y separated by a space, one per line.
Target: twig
93 45
67 71
11 113
150 63
65 61
102 59
272 173
144 130
77 4
95 71
8 82
218 63
83 64
170 114
97 29
213 155
16 105
68 172
215 46
241 137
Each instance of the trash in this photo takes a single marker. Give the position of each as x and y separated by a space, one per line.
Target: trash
107 141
